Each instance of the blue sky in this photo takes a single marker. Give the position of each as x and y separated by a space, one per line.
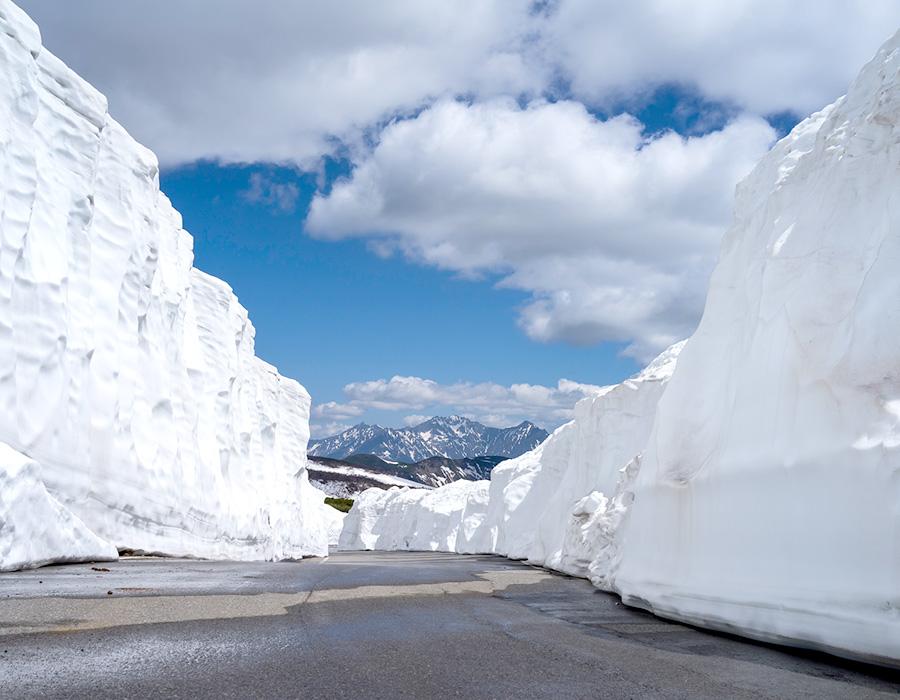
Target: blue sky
488 212
335 312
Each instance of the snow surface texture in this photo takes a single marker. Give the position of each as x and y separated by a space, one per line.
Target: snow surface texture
768 501
528 509
34 528
446 519
129 375
334 524
765 500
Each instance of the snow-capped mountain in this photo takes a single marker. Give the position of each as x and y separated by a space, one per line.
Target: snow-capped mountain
454 437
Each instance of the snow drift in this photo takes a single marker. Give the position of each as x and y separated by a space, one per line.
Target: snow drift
34 528
768 501
762 494
128 374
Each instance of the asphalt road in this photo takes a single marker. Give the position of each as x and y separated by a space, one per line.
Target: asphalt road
374 625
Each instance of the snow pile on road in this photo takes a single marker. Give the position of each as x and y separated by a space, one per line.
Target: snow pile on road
768 501
441 520
527 509
35 529
127 374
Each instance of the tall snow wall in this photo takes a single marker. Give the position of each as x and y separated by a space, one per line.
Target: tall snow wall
768 502
762 495
127 374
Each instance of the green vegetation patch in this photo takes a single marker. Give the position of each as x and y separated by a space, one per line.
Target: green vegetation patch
342 504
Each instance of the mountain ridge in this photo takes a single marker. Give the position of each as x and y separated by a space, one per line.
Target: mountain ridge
451 437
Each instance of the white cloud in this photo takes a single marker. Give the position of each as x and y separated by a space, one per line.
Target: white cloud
487 402
414 420
763 55
320 429
336 411
267 80
264 190
614 234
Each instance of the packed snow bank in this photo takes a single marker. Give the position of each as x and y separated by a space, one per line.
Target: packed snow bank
764 497
442 519
130 376
768 502
34 528
533 498
532 506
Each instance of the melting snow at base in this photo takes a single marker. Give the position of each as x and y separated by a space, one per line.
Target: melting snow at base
127 377
761 494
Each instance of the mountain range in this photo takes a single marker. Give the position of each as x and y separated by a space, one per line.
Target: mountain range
452 437
347 477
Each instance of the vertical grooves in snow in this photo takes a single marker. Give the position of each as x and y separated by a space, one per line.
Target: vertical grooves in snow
130 376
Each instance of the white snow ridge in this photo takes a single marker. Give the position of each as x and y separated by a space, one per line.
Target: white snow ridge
127 374
762 495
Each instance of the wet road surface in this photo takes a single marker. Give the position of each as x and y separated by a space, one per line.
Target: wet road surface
375 625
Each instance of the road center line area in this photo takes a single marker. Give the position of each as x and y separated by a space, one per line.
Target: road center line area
70 614
375 624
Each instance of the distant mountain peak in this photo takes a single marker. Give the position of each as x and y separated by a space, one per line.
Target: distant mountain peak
452 437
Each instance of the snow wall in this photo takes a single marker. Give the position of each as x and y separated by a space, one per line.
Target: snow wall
531 508
127 375
762 495
768 501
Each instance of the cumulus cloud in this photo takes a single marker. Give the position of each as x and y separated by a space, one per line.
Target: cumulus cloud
763 55
333 409
613 232
458 160
320 429
267 80
487 402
